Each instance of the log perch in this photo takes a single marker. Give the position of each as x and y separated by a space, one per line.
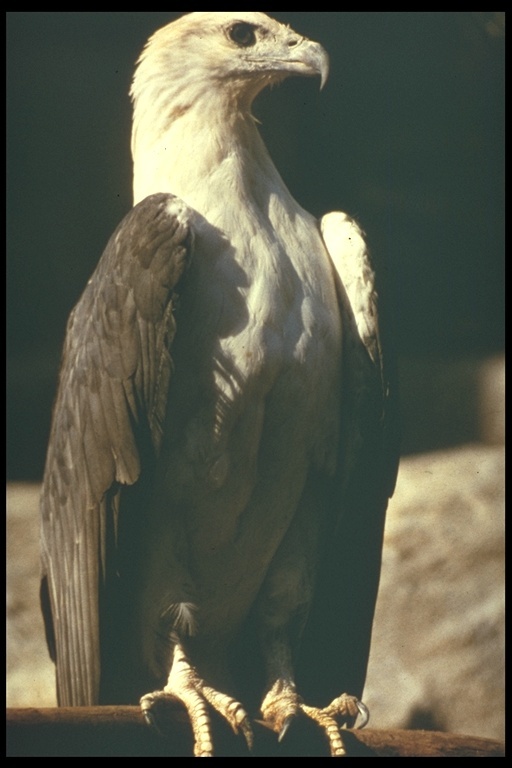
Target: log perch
120 731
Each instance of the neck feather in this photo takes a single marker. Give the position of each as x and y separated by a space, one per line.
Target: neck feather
197 145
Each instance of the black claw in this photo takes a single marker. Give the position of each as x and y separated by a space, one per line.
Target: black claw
151 720
365 715
246 729
288 721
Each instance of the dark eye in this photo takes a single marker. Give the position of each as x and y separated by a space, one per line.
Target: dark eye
243 34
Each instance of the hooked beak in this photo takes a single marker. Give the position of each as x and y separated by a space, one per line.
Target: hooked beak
311 59
299 57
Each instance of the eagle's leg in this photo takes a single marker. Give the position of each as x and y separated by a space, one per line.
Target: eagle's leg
185 684
283 608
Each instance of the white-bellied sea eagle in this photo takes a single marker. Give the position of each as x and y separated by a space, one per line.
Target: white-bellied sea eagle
222 450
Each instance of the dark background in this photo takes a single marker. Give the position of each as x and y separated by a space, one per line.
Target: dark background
407 136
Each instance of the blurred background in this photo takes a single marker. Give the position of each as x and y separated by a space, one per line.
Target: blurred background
408 137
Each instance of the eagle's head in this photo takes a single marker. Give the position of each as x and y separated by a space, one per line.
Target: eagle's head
193 90
238 52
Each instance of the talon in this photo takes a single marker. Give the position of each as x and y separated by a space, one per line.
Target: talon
150 720
288 721
146 704
365 715
248 735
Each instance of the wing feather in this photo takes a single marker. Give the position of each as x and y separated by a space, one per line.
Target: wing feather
369 397
113 389
337 638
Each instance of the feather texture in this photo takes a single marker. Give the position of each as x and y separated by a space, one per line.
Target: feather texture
222 448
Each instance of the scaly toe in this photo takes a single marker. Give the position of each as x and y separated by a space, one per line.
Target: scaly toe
326 721
232 711
347 709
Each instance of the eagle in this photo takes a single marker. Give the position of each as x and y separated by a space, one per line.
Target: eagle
222 447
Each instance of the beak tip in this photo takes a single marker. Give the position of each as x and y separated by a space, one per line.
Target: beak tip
323 68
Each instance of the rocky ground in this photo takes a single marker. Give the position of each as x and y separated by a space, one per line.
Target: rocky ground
30 675
437 656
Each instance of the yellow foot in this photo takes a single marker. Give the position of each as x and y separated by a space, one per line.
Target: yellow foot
282 704
185 684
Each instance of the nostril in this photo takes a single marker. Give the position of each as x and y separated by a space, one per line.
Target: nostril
294 41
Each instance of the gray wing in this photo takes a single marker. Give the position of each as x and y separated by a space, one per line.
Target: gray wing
337 639
107 425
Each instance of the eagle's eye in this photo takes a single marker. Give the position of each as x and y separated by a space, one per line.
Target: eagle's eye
243 34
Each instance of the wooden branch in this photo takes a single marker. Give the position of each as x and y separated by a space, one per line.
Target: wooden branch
120 731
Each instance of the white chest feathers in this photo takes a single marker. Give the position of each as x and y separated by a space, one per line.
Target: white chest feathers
264 342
